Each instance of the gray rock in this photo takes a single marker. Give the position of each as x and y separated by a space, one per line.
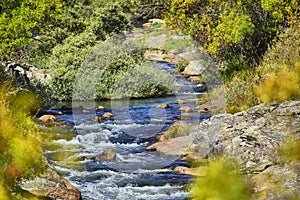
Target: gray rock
193 69
252 136
107 155
277 183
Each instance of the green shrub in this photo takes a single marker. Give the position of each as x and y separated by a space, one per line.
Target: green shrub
275 79
290 150
240 93
116 69
222 182
280 86
280 69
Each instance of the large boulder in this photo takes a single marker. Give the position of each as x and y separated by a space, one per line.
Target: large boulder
51 185
277 183
252 136
172 147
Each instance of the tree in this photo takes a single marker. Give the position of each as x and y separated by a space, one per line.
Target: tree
147 9
237 31
22 20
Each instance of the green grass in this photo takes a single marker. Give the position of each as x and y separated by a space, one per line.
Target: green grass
177 45
178 130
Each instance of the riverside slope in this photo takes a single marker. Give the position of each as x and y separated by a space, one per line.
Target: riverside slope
253 138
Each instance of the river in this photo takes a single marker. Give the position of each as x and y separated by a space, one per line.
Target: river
136 173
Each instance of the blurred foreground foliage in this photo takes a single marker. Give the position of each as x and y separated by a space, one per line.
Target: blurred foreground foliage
221 182
20 151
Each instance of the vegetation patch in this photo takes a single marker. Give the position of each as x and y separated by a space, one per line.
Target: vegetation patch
20 141
177 130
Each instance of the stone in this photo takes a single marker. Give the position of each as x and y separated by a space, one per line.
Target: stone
172 147
252 137
193 69
107 155
147 25
47 118
164 105
158 21
186 109
59 113
97 119
107 115
85 111
100 108
204 111
50 184
277 183
161 56
200 88
178 101
199 171
185 116
196 79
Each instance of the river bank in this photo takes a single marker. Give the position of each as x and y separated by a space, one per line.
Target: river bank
254 138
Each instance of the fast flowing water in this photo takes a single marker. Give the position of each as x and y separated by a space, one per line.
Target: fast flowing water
135 173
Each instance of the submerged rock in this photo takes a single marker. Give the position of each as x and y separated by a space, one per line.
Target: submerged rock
164 105
186 109
97 119
199 171
51 185
178 101
107 155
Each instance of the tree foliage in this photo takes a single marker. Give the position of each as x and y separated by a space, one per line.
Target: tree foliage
22 20
238 31
147 9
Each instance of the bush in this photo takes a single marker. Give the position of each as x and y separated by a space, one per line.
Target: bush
275 79
222 182
290 150
280 86
20 150
117 70
240 91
